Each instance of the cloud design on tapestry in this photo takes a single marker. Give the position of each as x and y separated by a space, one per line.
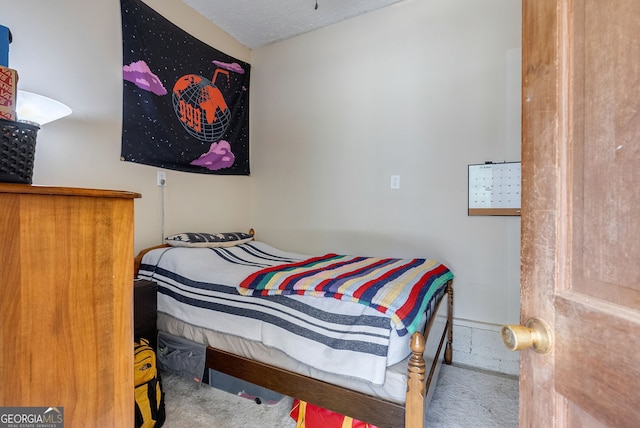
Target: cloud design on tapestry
235 67
219 156
141 75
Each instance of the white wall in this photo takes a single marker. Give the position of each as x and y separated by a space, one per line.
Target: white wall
71 50
420 89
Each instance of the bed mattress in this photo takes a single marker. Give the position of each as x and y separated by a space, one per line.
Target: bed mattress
331 336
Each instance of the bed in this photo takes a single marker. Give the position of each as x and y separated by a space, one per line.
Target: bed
258 311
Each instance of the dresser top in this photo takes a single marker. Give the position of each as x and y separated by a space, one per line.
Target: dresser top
28 189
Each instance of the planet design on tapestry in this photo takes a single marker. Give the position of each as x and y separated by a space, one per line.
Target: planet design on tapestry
201 107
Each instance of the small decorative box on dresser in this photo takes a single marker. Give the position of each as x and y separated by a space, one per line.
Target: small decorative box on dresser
144 311
65 302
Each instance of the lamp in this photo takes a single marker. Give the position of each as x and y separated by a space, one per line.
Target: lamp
37 109
18 139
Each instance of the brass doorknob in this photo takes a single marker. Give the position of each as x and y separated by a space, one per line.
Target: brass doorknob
534 334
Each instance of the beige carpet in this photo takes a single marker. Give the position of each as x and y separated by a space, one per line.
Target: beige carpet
463 398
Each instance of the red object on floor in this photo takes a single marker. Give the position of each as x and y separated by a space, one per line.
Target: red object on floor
308 415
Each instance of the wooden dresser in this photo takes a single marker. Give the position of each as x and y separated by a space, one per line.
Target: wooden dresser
66 299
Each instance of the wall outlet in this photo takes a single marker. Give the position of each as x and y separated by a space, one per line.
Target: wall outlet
161 178
395 182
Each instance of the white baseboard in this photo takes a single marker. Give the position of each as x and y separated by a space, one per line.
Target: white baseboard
480 345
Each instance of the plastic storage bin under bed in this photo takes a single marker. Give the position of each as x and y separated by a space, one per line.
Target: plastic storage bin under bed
187 359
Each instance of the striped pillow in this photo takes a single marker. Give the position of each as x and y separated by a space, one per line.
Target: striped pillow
208 240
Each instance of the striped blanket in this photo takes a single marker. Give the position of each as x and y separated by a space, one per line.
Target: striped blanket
198 286
399 288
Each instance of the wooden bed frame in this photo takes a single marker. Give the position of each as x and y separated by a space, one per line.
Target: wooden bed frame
385 414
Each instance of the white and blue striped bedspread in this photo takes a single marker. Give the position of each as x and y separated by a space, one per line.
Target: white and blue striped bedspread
199 287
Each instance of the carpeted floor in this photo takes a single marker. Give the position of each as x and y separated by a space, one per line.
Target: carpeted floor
463 398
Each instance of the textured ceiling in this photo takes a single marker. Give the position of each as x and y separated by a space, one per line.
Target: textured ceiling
257 23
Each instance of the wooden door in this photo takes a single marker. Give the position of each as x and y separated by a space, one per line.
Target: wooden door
581 211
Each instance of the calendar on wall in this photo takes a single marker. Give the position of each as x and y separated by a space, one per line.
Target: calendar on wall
494 188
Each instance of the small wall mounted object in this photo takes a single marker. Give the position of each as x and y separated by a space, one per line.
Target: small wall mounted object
494 188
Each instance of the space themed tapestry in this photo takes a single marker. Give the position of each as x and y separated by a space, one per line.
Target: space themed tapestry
185 104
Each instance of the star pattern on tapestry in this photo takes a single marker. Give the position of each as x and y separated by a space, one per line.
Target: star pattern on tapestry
185 104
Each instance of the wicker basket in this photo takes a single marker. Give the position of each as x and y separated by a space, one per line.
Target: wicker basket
17 151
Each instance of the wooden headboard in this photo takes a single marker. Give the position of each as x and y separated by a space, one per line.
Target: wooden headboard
138 259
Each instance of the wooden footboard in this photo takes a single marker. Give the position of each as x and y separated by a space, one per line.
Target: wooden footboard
419 386
358 405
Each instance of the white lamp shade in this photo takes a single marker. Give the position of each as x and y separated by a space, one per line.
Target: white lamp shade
38 109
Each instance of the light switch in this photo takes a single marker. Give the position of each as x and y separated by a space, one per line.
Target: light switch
395 182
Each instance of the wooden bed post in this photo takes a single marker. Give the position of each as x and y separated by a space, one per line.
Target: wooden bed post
448 351
416 375
414 408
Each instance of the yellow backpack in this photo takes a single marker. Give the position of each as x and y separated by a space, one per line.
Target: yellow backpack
148 387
